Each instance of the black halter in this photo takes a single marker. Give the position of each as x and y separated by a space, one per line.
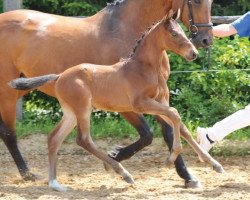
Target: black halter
193 27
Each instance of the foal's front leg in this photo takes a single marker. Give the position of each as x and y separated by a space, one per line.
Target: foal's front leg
201 152
168 114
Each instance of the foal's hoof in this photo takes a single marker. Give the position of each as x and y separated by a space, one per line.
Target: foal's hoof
192 184
129 179
218 168
168 163
29 177
54 185
107 167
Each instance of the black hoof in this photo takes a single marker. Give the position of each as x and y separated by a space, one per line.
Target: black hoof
192 184
29 177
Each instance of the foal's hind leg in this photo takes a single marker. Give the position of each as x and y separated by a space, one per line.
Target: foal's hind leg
202 153
55 140
146 137
84 140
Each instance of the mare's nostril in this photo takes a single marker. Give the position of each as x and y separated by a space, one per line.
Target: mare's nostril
205 42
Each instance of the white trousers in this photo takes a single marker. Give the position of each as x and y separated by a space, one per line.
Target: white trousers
236 121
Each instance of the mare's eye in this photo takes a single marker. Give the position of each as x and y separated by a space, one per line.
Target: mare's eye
197 1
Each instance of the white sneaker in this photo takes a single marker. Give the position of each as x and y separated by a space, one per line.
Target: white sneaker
203 140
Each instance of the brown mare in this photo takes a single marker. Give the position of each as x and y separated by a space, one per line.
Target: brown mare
35 43
140 87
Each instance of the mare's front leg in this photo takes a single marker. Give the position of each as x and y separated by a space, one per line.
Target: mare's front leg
146 137
182 170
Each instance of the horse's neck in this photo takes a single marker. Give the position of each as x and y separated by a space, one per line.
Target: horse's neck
151 48
135 16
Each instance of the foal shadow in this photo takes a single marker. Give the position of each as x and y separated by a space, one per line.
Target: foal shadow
36 192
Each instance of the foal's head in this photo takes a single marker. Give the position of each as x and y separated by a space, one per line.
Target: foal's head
175 39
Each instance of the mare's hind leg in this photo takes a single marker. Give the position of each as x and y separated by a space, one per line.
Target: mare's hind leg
8 99
146 137
190 180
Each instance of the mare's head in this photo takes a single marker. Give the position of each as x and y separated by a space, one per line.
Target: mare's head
175 39
196 15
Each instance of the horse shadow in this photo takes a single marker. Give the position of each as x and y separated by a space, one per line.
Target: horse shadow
36 192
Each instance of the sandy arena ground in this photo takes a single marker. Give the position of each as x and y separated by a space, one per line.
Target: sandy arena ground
86 178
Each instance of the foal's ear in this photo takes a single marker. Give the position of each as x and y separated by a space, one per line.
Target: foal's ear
176 15
173 15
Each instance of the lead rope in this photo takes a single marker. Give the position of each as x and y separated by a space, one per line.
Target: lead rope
208 56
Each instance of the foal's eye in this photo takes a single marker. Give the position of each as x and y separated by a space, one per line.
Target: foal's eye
174 34
197 1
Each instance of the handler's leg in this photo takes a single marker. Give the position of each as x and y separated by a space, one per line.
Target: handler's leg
208 136
190 180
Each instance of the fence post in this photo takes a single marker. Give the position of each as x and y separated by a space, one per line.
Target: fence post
9 5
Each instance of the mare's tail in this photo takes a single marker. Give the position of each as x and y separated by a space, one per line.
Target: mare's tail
32 83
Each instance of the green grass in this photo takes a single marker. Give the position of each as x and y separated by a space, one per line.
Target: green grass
112 127
117 128
100 128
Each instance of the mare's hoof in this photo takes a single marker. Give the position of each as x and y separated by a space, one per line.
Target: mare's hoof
192 184
218 168
107 167
129 179
29 177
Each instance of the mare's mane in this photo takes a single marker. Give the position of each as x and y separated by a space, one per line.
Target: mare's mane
115 3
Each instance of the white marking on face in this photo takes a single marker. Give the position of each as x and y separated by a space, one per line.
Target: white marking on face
42 21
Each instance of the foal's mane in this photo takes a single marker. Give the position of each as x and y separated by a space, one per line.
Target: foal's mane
138 41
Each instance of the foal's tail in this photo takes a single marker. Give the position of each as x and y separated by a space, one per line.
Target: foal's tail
32 83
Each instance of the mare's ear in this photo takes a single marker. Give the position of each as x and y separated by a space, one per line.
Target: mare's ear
176 15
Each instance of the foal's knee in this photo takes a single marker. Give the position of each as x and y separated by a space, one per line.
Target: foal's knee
175 115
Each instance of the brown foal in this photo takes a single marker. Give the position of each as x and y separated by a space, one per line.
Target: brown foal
135 84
